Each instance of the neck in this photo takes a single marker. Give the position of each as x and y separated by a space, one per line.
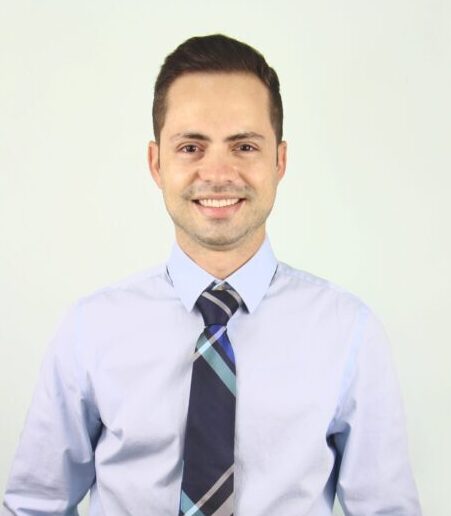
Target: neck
218 262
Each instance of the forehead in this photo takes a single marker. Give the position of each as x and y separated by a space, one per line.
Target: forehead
218 102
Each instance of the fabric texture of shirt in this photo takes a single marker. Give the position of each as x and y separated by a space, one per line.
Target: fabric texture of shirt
318 408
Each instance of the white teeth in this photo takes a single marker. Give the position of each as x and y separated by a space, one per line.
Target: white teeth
217 203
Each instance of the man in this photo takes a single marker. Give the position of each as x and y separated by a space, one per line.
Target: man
222 382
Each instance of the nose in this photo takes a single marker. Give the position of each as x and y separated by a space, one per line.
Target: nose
217 167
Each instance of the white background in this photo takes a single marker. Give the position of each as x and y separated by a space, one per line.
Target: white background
365 202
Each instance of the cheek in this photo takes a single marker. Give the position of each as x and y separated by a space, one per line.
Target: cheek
177 190
263 181
175 178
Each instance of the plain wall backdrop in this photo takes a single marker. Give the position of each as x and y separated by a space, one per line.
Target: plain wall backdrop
365 201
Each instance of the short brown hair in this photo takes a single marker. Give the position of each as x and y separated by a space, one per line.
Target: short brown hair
215 53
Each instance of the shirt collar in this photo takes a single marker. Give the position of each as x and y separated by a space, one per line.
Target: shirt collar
251 280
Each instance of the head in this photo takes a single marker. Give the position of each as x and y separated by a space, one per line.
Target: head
216 53
218 153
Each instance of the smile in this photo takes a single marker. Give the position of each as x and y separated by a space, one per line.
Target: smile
217 203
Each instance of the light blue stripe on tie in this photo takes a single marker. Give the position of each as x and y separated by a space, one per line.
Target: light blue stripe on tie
203 343
188 507
220 368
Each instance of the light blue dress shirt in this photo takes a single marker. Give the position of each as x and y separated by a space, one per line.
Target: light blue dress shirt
318 405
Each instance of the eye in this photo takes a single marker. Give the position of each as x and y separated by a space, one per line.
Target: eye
189 149
246 147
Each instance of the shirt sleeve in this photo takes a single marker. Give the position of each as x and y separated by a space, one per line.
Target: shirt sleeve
370 434
54 464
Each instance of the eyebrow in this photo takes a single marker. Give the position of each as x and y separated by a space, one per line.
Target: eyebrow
244 136
232 138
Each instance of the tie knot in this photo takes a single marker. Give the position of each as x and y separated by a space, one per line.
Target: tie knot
217 304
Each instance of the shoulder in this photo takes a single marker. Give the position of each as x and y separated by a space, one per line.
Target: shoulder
319 296
110 310
333 311
302 281
146 283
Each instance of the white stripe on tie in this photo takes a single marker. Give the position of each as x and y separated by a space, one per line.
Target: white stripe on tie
213 490
226 508
218 302
234 294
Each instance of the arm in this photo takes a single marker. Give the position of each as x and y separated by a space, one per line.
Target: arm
370 436
54 465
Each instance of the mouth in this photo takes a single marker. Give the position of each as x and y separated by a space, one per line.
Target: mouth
217 203
219 208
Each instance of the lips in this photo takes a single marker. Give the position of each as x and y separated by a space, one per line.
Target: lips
218 208
218 203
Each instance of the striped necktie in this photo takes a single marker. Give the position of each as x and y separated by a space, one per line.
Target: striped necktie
208 458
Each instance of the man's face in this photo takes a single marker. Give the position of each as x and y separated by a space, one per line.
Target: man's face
218 162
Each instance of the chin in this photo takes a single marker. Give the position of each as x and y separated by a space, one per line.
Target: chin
218 243
223 241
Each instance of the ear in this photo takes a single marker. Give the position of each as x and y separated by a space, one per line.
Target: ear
281 159
153 158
